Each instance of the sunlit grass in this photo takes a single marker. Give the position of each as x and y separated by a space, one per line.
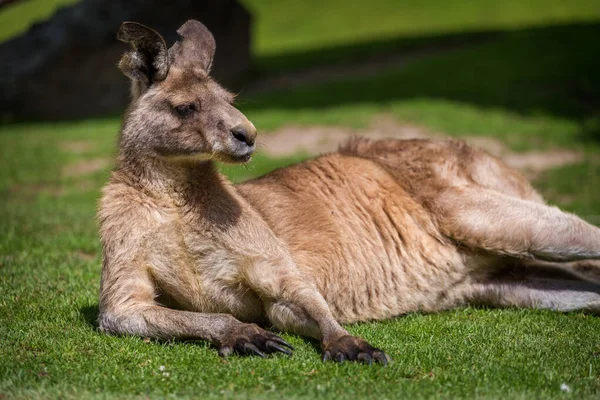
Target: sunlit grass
49 275
533 89
16 18
285 26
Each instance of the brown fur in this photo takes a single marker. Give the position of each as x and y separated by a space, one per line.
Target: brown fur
374 231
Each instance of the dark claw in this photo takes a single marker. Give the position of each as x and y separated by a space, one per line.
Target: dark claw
249 347
270 345
350 348
381 357
225 351
282 342
365 358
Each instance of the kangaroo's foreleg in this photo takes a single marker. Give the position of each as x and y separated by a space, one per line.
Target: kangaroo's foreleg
293 303
127 306
486 219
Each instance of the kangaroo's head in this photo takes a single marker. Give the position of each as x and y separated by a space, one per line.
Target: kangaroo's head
177 111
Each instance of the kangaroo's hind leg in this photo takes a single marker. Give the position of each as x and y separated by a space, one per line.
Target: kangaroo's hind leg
553 294
586 270
485 219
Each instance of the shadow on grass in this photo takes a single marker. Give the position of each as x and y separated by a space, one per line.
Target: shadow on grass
90 315
549 70
360 52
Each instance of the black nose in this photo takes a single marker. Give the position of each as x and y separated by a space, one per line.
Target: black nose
241 135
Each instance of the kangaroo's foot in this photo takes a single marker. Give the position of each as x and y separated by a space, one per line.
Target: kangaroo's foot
351 348
250 339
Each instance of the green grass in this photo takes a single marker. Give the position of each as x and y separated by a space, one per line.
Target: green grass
49 273
284 26
16 18
531 83
292 26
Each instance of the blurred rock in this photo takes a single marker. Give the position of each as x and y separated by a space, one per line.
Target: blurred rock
65 68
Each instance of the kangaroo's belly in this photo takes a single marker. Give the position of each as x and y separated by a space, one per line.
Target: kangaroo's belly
372 250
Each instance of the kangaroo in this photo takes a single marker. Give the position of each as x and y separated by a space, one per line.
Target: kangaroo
371 232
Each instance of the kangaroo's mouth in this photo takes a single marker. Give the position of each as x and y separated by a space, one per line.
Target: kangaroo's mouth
236 157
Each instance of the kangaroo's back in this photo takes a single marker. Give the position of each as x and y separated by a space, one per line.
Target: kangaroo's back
355 228
427 166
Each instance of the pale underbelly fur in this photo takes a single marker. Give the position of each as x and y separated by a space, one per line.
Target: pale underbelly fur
386 274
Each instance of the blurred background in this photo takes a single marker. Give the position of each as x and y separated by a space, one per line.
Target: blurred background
531 57
518 78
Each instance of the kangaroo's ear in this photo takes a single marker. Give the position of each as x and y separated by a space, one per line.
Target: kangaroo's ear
197 47
148 62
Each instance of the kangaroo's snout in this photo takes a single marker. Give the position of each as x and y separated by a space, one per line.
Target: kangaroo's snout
244 133
242 142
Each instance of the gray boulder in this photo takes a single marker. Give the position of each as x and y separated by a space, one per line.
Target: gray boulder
65 68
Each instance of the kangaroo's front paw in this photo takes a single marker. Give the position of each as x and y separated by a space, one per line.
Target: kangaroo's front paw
351 348
250 339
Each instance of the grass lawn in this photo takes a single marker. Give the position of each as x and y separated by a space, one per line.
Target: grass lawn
532 83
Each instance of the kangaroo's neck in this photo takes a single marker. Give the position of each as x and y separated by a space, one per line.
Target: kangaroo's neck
189 183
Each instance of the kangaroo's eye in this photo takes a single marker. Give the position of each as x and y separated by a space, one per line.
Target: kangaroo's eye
185 110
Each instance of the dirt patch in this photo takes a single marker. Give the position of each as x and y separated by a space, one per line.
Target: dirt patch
77 146
538 161
364 68
322 139
30 191
84 255
530 162
331 73
85 167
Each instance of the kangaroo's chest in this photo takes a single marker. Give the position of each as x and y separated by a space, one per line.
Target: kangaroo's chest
198 272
